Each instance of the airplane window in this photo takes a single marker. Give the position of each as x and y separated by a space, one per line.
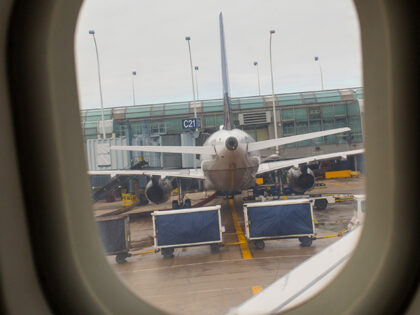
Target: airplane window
224 143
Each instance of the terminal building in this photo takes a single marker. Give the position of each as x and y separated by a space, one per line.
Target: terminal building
161 124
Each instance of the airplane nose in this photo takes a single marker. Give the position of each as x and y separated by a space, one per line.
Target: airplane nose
231 143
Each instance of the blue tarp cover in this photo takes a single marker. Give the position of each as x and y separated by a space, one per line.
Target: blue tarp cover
280 220
187 228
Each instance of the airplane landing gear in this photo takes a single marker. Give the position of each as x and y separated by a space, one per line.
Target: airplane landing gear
180 203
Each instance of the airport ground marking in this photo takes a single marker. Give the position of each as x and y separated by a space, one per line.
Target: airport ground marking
246 253
256 289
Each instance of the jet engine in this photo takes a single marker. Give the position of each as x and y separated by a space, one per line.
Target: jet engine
158 190
300 178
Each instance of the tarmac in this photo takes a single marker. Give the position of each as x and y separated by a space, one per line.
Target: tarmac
196 281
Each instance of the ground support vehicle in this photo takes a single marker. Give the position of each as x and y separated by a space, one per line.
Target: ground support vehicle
319 201
114 232
187 227
358 212
279 219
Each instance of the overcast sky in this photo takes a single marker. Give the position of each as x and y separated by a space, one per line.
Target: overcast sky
149 37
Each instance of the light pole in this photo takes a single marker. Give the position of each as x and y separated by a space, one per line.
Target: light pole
92 32
196 81
320 71
278 178
192 74
272 94
187 38
258 76
132 84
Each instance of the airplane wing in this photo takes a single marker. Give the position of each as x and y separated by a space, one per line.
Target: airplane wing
271 166
207 150
261 145
304 281
184 173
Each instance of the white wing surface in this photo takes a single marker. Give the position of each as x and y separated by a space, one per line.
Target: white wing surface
184 173
271 166
261 145
207 150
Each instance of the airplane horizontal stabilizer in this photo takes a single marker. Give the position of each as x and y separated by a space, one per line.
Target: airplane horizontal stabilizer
183 173
272 166
261 145
208 150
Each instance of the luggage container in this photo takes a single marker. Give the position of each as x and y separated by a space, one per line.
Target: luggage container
187 227
114 232
279 219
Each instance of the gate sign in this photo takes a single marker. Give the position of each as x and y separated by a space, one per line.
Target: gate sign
191 123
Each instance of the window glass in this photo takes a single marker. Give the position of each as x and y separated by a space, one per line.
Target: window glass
355 125
340 109
220 120
289 99
353 108
287 114
213 106
174 124
209 121
327 111
247 103
302 127
309 98
157 110
301 114
177 109
328 96
289 128
314 113
340 122
138 112
252 133
315 125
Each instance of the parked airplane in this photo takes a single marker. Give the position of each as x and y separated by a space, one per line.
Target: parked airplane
230 157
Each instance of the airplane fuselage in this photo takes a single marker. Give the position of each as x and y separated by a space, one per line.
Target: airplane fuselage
231 167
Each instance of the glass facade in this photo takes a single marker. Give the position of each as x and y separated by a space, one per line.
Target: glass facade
299 120
299 113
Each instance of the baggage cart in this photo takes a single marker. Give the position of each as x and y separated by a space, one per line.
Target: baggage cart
114 232
279 219
187 227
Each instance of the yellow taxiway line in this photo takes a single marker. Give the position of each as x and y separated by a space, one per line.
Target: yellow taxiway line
246 254
256 289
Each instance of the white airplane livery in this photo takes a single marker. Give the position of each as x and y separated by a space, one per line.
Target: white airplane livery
230 159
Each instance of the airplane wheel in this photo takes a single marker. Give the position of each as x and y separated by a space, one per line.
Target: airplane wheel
214 248
259 244
305 241
321 204
167 252
187 203
175 204
121 258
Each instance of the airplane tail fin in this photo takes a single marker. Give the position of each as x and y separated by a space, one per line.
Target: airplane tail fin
225 78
